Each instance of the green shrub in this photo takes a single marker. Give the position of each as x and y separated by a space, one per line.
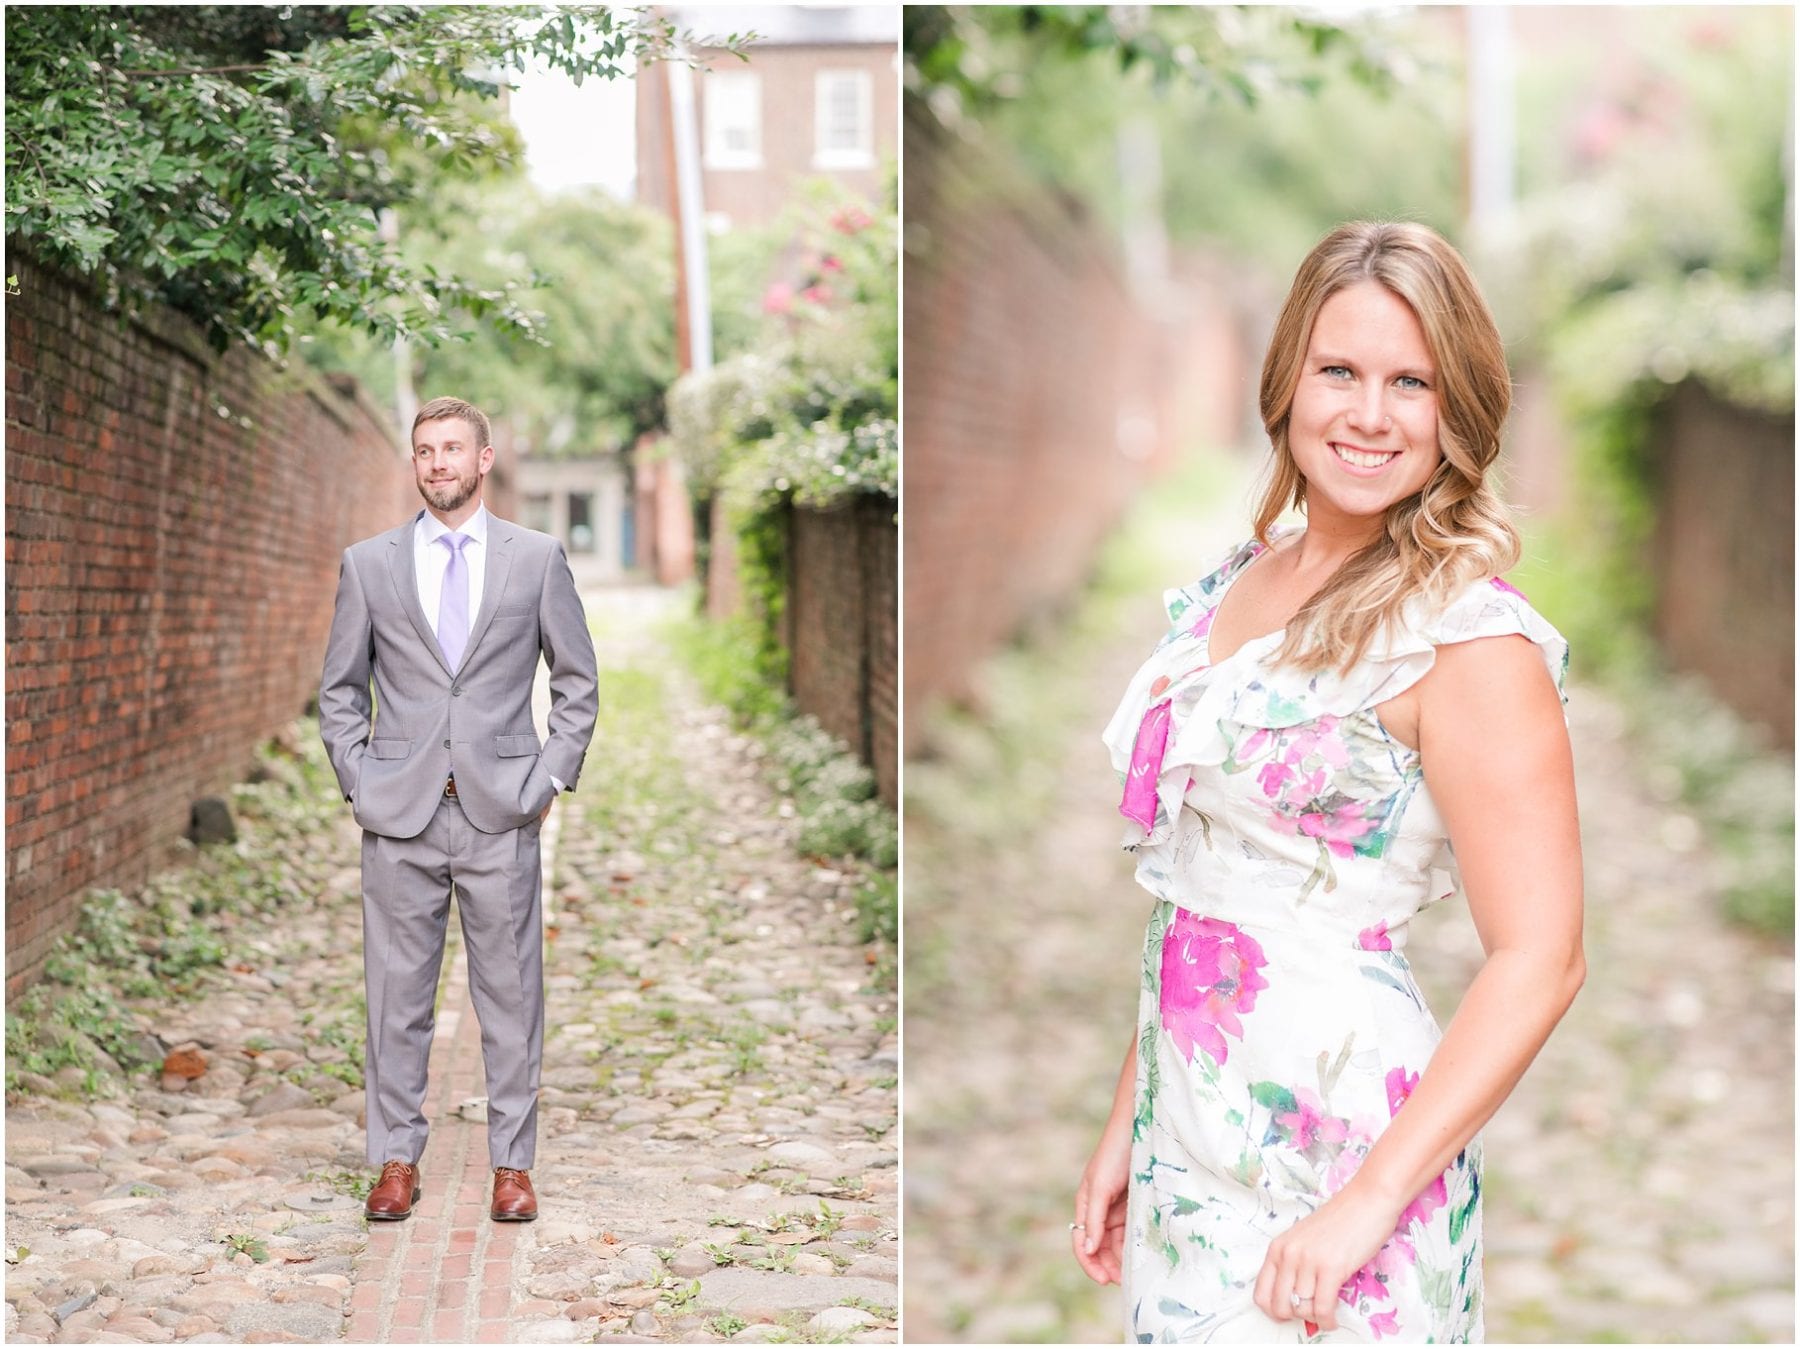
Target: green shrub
722 655
878 908
833 827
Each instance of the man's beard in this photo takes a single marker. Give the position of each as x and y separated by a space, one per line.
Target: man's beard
451 496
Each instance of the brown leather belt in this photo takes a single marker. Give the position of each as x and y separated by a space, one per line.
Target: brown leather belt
450 786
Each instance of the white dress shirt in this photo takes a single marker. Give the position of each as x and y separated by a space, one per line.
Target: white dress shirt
431 560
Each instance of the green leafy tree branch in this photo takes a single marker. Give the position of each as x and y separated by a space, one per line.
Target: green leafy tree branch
232 163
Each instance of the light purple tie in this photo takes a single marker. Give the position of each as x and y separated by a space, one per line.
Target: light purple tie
453 604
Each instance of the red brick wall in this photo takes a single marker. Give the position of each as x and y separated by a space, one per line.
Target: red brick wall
843 628
173 526
665 517
881 588
724 592
1724 551
1039 396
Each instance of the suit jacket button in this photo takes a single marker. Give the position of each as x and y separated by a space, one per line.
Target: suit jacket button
446 744
456 693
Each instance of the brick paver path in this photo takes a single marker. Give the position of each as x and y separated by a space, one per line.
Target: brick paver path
446 1274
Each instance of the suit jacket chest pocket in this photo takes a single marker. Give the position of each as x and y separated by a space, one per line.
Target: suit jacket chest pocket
515 613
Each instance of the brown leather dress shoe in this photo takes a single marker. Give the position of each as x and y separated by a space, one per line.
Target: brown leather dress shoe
395 1193
514 1201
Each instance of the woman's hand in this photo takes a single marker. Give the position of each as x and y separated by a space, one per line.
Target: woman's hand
1318 1254
1100 1206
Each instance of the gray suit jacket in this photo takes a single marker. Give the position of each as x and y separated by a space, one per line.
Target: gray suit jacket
426 721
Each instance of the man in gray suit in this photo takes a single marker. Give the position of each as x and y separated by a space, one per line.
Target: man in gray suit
446 617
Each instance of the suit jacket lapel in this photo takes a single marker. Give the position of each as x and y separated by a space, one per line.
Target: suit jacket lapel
406 586
499 563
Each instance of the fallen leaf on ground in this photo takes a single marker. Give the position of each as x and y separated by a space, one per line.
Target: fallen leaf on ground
187 1063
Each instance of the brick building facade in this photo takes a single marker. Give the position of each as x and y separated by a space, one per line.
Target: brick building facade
818 98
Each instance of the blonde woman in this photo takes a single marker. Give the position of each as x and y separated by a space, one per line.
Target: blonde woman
1346 721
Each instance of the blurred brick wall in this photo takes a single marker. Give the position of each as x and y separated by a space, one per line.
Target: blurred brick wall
1724 551
724 592
174 521
1040 394
842 625
843 628
664 527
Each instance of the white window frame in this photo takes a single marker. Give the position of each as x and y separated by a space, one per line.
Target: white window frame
733 103
862 155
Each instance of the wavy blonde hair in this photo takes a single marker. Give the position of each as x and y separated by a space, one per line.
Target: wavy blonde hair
1455 529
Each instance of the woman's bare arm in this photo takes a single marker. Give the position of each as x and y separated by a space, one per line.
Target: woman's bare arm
1101 1198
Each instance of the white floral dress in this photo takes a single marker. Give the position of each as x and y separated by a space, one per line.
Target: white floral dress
1288 840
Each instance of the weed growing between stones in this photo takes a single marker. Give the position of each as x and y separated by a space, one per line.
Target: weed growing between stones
874 1309
252 1246
355 1184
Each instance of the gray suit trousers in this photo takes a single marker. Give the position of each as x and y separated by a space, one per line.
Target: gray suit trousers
407 884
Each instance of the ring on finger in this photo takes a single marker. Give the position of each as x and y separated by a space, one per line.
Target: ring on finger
1295 1299
1078 1227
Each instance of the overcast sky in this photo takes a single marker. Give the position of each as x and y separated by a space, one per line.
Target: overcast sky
577 136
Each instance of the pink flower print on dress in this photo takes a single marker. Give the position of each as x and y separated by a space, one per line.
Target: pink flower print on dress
1384 1323
1361 1136
1139 801
1375 938
1432 1198
1203 624
1498 584
1308 1123
1400 1084
1253 747
1320 736
1362 1284
1209 980
1338 830
1274 776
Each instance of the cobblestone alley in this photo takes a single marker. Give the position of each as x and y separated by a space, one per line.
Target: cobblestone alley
717 1151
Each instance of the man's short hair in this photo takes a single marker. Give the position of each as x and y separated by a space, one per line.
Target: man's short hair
441 409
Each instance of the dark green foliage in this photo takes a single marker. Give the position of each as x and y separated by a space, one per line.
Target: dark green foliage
231 162
1231 51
